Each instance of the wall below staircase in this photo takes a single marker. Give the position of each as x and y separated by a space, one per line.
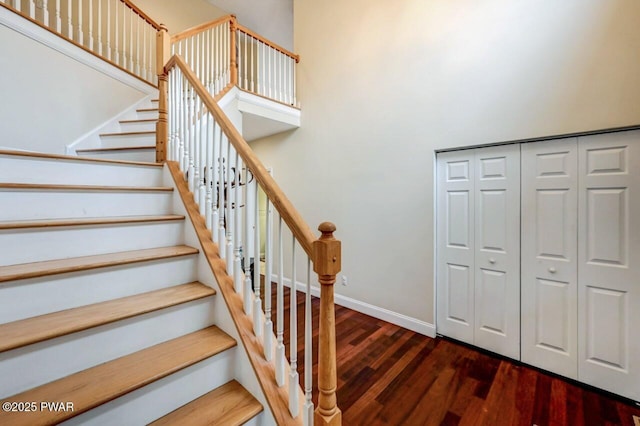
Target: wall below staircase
50 99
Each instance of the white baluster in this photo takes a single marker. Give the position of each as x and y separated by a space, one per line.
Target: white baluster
257 302
138 47
202 192
308 353
268 260
261 71
45 13
91 25
280 355
108 29
69 19
270 71
131 66
246 62
16 4
196 150
143 59
100 27
229 214
80 33
295 99
253 66
184 160
208 211
31 5
240 58
116 33
221 198
214 183
58 19
237 221
293 336
192 139
248 291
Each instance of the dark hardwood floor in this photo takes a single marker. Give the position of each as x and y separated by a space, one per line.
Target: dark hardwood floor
388 375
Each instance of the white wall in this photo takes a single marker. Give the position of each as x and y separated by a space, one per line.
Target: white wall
180 15
384 84
48 100
272 19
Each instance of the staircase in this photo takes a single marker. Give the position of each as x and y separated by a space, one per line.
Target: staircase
102 317
135 140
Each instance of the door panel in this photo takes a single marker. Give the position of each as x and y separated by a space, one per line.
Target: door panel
497 254
549 255
455 242
609 262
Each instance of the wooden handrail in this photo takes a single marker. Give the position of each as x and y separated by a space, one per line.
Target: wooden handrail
141 14
201 27
287 211
268 42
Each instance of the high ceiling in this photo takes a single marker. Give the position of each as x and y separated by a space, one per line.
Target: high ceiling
272 19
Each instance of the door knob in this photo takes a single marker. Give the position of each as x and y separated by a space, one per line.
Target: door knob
492 260
552 270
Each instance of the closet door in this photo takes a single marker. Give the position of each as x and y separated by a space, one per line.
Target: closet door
455 244
549 255
497 253
609 262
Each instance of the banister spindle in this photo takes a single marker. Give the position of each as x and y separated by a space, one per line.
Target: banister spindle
31 4
237 230
268 270
221 199
108 29
253 66
208 174
327 263
116 33
131 66
58 18
90 25
80 33
257 303
70 20
138 47
293 336
214 183
280 355
197 150
229 216
100 27
45 13
308 352
248 291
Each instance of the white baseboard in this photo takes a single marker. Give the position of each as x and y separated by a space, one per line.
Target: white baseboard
410 323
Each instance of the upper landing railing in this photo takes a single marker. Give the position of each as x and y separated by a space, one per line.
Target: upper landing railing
114 30
223 54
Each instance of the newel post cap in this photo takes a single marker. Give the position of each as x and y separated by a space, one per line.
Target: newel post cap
327 251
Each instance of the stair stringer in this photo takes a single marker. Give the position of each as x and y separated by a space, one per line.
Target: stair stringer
244 372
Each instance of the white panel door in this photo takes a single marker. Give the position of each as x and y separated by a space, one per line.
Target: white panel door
609 262
497 254
455 245
549 255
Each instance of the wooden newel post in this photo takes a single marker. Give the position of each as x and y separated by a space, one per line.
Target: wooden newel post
233 49
162 56
327 263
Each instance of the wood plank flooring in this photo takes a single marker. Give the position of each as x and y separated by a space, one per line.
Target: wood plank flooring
388 375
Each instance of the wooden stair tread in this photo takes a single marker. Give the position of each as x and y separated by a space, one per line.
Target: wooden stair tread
106 382
49 326
74 264
111 220
118 148
230 404
149 132
146 120
63 187
76 158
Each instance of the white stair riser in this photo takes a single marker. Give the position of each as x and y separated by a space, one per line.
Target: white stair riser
38 296
42 244
34 365
54 204
146 115
145 126
146 155
17 169
163 396
119 141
